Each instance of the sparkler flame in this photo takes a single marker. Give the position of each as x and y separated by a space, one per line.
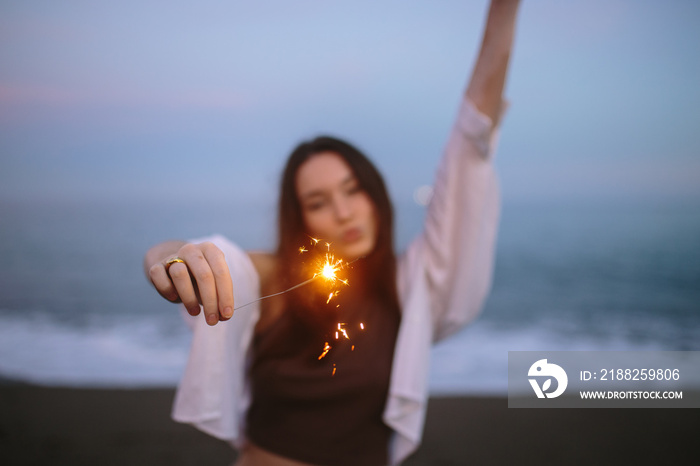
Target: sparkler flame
326 268
329 267
328 272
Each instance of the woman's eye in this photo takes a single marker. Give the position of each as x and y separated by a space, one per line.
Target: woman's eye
315 205
354 189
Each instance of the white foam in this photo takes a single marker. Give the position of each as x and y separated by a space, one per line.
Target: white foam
130 352
101 353
475 361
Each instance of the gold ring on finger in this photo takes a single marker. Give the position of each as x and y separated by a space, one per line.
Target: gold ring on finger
172 261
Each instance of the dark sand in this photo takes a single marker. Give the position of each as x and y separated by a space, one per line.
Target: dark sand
59 426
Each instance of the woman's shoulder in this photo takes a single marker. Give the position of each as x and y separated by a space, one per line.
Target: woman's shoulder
265 264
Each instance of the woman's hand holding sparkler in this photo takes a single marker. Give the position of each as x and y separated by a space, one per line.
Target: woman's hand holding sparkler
197 275
194 274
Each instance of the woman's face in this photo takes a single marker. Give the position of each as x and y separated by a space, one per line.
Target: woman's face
335 207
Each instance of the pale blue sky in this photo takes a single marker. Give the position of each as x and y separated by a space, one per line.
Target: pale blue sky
202 99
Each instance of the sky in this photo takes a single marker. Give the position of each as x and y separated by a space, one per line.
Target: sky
169 100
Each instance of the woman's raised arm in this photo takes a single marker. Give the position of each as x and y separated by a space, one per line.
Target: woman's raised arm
456 251
488 78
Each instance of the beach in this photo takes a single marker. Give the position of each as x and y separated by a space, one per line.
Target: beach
66 426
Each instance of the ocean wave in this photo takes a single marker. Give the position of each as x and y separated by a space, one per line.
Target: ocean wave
475 361
151 351
101 353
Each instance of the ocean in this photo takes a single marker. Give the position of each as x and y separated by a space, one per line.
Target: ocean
76 309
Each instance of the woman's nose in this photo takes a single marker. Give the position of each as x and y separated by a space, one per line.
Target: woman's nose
342 209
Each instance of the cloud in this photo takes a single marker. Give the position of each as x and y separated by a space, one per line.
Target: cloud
28 94
51 95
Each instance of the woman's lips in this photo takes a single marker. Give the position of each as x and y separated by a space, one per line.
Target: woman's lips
352 235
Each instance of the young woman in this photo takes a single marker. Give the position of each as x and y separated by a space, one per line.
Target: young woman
275 381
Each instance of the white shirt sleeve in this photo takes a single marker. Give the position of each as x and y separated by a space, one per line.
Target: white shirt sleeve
457 246
444 276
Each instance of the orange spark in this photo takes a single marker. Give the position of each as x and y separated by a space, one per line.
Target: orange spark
302 249
333 370
362 326
326 349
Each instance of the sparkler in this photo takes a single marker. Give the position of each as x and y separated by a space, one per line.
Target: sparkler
326 268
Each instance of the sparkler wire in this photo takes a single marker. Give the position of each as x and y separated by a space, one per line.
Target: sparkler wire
277 294
295 286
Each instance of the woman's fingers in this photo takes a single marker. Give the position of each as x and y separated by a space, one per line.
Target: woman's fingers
180 276
199 275
161 281
207 266
202 274
222 279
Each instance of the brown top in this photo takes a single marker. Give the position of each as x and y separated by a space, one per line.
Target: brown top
325 411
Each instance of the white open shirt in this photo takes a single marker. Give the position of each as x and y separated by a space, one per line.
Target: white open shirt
443 279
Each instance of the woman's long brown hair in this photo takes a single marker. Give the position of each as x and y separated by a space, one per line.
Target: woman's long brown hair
377 271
